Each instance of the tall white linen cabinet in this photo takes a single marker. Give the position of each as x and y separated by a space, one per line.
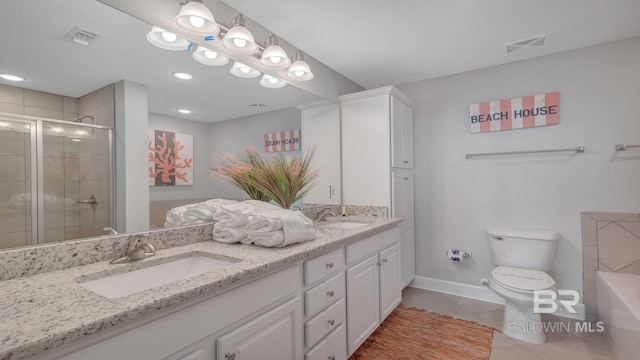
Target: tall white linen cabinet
377 160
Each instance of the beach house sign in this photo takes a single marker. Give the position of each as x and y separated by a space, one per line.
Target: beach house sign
518 113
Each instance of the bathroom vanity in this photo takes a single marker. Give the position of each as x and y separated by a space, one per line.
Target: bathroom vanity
299 302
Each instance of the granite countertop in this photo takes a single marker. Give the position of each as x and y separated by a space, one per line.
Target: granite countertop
44 311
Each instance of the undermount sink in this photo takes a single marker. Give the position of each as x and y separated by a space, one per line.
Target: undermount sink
136 281
345 225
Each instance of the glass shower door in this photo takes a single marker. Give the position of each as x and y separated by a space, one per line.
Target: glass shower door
17 144
76 181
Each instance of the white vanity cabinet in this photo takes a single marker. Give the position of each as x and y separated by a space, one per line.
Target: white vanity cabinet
257 318
325 307
373 284
321 128
377 159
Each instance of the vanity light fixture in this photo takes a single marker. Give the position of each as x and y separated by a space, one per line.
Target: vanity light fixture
76 140
238 39
299 69
274 57
81 132
11 77
57 129
4 124
241 70
196 18
166 40
209 57
183 76
269 81
184 111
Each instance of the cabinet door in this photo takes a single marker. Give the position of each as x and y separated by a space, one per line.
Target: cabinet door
407 136
408 255
396 134
363 309
277 334
402 196
390 292
401 135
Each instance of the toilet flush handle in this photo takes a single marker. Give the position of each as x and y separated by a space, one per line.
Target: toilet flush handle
497 237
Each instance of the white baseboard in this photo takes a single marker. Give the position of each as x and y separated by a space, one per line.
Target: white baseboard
482 293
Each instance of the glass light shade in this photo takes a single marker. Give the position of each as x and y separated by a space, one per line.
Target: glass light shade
300 71
274 57
269 81
209 57
11 77
163 39
241 70
238 36
196 18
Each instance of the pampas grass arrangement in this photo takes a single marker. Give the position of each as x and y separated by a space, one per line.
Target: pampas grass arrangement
283 179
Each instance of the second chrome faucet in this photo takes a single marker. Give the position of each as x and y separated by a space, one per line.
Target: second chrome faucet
137 249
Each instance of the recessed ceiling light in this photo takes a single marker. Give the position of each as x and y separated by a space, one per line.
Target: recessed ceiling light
183 76
11 77
184 111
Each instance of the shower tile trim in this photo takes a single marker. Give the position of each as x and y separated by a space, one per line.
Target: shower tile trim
594 224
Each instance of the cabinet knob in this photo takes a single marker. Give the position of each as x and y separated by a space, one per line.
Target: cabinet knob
330 293
378 264
405 162
385 260
230 356
331 322
330 265
405 178
331 357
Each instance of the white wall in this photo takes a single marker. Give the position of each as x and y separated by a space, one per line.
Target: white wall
132 184
233 135
201 156
456 198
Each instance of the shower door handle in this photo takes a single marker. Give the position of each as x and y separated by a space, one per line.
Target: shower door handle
93 201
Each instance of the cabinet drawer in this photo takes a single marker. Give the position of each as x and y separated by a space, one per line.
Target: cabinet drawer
323 265
324 294
323 323
334 347
372 244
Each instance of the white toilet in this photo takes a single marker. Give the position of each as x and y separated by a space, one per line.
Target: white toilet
522 256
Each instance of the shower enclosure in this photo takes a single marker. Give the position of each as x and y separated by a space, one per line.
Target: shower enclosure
56 180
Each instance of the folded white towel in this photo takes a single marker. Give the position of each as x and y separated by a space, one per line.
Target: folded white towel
197 213
233 215
229 235
279 238
272 220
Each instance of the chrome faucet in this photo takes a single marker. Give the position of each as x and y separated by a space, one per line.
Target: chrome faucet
136 250
322 215
110 230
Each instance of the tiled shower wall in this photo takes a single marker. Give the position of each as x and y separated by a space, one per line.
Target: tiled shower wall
72 170
94 161
610 242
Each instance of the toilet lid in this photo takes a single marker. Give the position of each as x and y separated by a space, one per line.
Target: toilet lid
522 279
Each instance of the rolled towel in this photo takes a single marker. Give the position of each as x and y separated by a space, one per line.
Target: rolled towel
279 238
272 220
200 212
233 215
229 235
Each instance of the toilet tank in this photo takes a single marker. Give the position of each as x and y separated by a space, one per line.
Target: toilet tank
522 248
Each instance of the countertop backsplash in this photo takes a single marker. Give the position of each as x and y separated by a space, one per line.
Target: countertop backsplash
25 261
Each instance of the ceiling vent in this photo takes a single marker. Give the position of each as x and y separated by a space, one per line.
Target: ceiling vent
82 36
521 46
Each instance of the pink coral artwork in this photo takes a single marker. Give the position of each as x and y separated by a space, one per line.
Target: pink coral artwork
170 158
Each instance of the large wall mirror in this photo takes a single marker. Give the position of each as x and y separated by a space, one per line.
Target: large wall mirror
57 128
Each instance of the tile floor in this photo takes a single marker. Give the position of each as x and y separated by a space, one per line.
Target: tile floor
559 345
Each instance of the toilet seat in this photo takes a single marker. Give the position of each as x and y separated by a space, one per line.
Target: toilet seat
522 280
